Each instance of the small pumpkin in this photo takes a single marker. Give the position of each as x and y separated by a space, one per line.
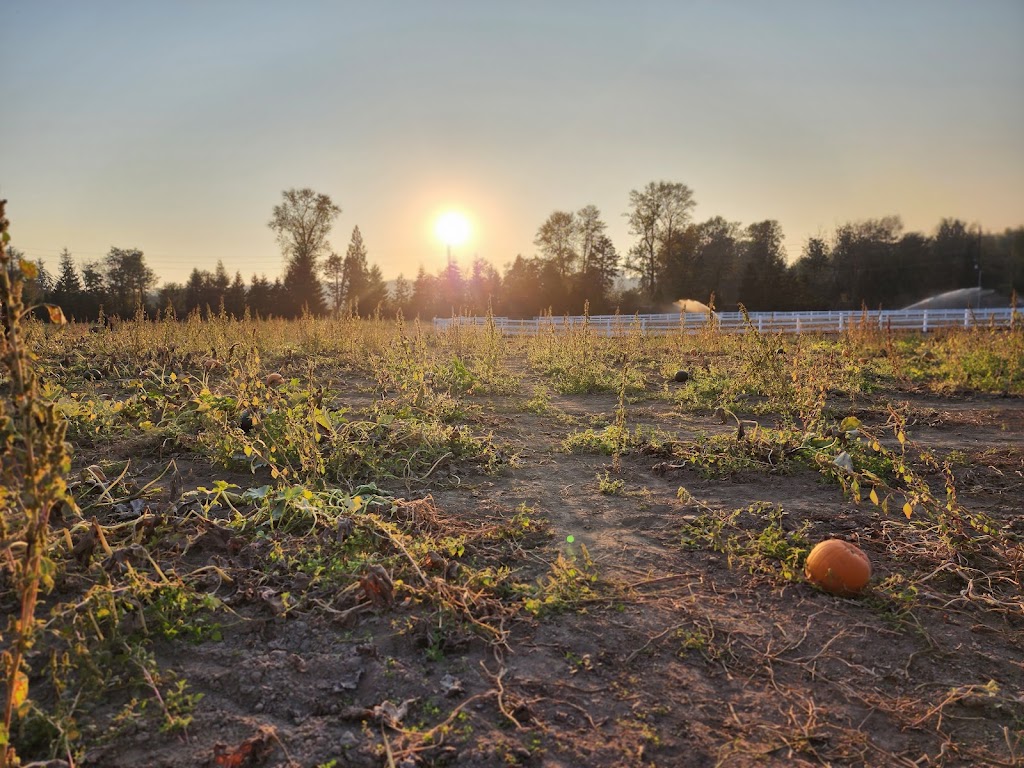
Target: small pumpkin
838 567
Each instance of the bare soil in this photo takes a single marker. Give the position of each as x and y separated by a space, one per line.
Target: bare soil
677 656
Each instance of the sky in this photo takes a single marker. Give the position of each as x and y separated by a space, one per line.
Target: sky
174 127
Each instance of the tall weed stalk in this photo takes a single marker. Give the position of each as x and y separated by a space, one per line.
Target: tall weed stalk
34 468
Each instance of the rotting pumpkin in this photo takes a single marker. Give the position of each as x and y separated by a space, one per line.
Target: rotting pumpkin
838 567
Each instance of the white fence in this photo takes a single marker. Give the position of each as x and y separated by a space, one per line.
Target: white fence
921 320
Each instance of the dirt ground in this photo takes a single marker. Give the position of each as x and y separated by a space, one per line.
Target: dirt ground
670 655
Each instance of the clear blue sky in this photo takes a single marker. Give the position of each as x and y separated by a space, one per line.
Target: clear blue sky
174 126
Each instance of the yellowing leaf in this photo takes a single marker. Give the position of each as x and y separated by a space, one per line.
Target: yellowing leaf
20 691
56 314
357 503
28 270
908 510
849 424
874 497
901 437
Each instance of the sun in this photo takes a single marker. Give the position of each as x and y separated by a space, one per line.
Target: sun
452 228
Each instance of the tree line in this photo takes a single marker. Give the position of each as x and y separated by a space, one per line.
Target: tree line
873 262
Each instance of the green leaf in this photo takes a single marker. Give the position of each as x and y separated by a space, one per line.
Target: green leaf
849 424
256 494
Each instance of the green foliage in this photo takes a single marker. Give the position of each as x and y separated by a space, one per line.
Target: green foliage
755 537
569 582
610 486
610 440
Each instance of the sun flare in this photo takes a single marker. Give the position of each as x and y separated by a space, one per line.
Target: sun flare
452 228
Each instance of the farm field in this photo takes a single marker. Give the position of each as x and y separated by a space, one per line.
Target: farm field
459 548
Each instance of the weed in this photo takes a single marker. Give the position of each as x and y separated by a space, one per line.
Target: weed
609 486
569 581
35 468
754 537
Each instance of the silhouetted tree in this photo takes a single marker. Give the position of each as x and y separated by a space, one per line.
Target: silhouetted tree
402 299
863 256
484 287
334 271
556 240
302 223
763 284
594 283
590 235
128 280
67 290
425 301
716 268
374 296
812 276
956 250
451 289
234 297
355 272
260 297
94 289
520 284
658 211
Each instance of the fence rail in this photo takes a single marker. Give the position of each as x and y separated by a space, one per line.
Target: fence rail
920 320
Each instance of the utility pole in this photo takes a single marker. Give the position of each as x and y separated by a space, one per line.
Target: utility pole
977 263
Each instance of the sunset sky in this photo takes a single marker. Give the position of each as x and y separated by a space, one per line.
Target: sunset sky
174 126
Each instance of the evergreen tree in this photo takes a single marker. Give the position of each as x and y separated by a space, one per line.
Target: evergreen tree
355 273
67 291
402 298
260 297
424 295
375 292
234 297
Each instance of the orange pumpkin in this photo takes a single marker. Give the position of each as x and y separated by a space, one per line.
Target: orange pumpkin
838 567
